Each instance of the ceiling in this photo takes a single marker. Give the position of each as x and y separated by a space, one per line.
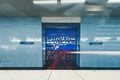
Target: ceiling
27 8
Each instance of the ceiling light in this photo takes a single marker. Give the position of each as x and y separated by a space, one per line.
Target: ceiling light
61 19
94 8
72 1
113 1
45 1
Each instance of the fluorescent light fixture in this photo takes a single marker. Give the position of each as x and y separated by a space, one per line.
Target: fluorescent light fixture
45 1
113 1
98 52
72 1
84 39
94 8
103 39
14 39
33 39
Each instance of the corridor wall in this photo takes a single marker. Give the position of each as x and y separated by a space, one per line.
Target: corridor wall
100 34
21 42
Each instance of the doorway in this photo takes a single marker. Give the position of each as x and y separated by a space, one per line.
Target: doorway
60 40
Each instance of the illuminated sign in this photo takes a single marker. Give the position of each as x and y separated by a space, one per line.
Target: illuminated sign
95 43
26 43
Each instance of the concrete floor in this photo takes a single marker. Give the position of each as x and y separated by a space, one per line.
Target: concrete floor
59 74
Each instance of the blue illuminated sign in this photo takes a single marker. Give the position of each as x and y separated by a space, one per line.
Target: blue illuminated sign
26 43
95 43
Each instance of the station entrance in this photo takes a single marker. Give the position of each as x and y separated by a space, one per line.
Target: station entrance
60 40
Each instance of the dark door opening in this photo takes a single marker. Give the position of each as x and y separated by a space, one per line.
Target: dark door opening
60 40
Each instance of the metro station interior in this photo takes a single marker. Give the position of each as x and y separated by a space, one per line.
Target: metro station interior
59 34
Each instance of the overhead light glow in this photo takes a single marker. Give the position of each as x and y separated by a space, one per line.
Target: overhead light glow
61 19
113 1
72 1
94 8
45 1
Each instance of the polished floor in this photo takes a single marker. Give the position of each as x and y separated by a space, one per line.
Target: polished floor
59 74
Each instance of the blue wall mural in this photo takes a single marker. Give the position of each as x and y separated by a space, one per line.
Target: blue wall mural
61 38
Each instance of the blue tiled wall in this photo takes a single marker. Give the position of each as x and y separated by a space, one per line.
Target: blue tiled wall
100 34
95 30
14 30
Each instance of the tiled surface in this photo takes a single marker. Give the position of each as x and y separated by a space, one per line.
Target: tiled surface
104 30
13 31
59 75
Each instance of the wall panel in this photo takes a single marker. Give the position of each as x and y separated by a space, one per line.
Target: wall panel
14 30
100 34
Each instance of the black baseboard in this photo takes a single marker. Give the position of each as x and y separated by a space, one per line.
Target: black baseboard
42 68
21 68
98 68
